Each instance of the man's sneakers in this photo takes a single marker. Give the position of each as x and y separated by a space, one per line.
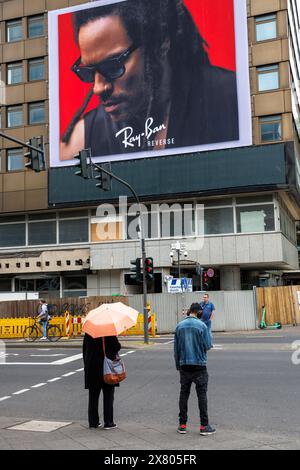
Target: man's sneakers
207 430
94 426
109 426
182 429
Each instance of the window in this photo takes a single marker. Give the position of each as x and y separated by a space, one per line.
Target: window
5 285
268 78
42 233
14 31
36 27
36 113
255 219
75 286
36 70
14 116
266 27
73 231
217 221
12 235
15 160
271 128
14 73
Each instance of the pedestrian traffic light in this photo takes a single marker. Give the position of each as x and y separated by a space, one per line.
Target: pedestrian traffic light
36 160
137 272
84 157
149 269
103 178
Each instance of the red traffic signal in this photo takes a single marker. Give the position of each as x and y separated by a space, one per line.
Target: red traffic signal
148 269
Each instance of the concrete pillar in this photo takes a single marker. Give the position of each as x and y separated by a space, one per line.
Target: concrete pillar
230 278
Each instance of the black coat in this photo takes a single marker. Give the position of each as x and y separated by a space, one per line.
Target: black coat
93 358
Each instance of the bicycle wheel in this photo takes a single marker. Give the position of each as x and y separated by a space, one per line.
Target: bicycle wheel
53 333
30 333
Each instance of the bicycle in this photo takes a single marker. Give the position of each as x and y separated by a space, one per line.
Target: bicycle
31 333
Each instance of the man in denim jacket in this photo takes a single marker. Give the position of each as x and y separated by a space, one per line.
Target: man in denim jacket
192 341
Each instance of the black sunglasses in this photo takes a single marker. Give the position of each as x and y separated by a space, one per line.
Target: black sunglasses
110 69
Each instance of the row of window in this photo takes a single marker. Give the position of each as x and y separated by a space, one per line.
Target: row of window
229 216
36 114
15 71
35 28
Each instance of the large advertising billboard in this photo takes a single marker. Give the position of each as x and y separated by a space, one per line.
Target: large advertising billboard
137 78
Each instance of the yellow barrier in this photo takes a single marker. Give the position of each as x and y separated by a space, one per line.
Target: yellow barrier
15 327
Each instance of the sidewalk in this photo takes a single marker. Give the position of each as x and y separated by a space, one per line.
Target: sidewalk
137 436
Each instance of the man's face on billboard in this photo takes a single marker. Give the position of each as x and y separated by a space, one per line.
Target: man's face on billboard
106 38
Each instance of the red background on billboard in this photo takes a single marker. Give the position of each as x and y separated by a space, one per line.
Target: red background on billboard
214 18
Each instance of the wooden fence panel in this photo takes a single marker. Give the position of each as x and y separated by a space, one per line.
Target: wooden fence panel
281 304
75 305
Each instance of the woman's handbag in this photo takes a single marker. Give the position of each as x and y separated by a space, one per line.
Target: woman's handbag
113 370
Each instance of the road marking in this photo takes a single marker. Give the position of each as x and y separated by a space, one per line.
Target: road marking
169 342
21 391
80 370
27 363
46 355
66 360
38 385
68 374
130 352
4 398
54 380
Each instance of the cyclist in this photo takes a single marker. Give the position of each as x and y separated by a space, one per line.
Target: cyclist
43 317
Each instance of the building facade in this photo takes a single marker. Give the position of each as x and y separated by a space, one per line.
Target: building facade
243 204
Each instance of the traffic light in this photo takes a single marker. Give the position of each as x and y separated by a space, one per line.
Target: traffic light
149 269
103 178
137 272
36 160
84 157
205 279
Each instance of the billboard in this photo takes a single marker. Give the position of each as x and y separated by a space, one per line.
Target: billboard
133 79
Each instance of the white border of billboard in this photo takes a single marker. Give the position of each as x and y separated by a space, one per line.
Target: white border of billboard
243 90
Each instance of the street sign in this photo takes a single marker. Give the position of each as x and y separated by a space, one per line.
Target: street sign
177 286
210 272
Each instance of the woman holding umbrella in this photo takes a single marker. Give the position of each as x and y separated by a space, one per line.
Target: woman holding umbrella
93 357
101 327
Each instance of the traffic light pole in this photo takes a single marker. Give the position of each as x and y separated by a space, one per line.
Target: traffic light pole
20 142
143 245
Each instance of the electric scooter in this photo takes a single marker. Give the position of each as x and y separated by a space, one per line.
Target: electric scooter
263 325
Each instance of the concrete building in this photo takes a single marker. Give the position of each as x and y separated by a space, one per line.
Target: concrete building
53 241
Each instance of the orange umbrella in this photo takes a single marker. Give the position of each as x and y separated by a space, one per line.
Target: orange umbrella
109 320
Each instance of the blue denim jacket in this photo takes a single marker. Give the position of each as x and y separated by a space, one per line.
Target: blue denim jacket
191 343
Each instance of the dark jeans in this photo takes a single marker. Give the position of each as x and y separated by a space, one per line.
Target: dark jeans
108 401
200 379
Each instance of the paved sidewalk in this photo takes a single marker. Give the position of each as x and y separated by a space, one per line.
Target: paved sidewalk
136 436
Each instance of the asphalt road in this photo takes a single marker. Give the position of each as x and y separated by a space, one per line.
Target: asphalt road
254 392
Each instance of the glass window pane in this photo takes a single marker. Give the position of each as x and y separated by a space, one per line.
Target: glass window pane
266 30
42 233
72 214
14 31
75 282
15 160
5 285
268 81
36 70
36 27
217 221
12 235
270 131
254 199
14 116
45 216
255 219
73 231
14 73
36 113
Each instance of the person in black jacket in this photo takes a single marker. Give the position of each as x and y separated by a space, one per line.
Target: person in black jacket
149 66
93 357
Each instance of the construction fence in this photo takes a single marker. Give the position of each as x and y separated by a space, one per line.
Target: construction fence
282 304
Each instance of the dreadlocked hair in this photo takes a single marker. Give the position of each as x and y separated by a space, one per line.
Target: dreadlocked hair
154 25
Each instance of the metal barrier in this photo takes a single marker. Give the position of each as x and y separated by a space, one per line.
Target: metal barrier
15 327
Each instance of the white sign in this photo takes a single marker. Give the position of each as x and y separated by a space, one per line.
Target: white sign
177 286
